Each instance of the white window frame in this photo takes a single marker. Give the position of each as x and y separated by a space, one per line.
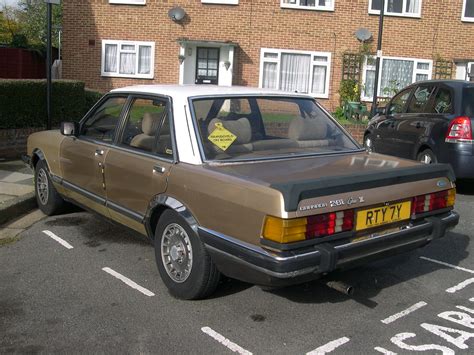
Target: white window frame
416 71
119 50
221 2
463 16
301 7
277 60
128 2
402 14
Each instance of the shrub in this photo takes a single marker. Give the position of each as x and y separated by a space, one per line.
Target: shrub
23 102
349 90
91 98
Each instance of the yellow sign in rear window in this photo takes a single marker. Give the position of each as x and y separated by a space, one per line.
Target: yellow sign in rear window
222 137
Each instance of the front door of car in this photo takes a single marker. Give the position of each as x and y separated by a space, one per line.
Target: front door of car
387 134
82 158
137 167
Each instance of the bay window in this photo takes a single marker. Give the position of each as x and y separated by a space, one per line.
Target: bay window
128 59
468 10
321 5
295 71
407 8
395 74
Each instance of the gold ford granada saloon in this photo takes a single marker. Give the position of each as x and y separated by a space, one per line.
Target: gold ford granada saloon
258 185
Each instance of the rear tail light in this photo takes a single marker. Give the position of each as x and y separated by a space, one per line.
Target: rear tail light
433 202
297 229
459 131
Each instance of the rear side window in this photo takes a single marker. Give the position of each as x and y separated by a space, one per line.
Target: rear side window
468 101
443 102
420 99
398 103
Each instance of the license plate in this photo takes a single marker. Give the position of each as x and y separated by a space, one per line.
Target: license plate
378 216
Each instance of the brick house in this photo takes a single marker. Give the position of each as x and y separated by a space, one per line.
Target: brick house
287 44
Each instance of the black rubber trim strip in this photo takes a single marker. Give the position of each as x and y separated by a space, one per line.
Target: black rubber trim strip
293 192
125 211
83 192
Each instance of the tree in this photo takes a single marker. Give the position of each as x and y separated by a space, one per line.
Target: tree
9 26
32 17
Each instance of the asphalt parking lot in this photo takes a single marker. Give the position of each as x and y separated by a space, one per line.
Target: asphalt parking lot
76 283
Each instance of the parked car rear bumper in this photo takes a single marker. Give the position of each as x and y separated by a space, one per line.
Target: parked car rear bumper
461 158
263 267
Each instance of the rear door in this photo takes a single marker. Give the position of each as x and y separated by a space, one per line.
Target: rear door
415 124
137 167
386 134
82 158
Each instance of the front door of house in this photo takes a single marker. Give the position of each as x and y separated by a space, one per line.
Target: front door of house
207 66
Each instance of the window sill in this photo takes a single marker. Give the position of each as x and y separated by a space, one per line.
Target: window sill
310 8
377 13
125 2
114 75
467 19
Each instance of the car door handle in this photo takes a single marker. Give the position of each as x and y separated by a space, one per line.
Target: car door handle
159 169
99 152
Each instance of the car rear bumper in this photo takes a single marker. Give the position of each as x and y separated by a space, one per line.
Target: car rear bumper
461 158
263 267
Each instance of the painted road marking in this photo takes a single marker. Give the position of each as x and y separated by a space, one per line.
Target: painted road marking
448 265
327 348
224 341
59 240
460 286
384 351
129 282
401 314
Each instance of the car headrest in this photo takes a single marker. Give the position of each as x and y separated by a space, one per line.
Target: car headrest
150 123
240 128
305 129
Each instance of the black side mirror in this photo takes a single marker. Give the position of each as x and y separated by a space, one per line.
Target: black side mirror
69 128
380 110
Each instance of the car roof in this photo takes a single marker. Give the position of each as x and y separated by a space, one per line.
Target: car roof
203 90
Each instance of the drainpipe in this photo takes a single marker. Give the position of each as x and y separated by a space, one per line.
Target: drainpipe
379 58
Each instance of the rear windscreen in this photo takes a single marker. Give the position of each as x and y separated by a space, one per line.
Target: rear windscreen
468 101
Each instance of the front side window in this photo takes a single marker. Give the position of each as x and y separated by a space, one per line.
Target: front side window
398 103
468 10
102 124
395 74
407 8
322 5
275 127
294 71
128 59
420 99
145 118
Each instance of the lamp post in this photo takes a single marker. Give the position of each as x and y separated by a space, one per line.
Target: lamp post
49 16
378 59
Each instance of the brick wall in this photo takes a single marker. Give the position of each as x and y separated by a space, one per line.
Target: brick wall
356 131
13 141
254 24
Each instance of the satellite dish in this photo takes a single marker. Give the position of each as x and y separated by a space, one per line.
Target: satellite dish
363 34
176 14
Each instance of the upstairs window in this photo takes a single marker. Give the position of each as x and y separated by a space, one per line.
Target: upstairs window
128 59
406 8
468 10
295 71
321 5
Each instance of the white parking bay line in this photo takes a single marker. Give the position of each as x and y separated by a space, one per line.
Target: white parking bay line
460 285
384 351
448 265
59 240
404 313
327 348
129 282
224 341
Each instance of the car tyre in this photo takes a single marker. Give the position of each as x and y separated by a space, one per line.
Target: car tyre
427 157
184 264
369 143
48 199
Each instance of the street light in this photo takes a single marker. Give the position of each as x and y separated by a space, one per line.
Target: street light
379 58
49 8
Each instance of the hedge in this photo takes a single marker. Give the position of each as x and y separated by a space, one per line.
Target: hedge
23 102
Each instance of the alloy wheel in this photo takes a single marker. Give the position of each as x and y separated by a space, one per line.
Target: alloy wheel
42 186
176 253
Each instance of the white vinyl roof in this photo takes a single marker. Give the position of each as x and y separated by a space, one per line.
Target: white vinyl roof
203 90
